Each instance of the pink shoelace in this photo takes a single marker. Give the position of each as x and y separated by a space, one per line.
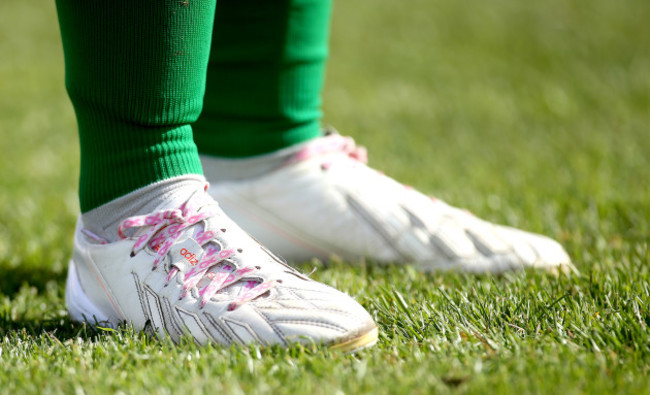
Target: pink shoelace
332 142
166 227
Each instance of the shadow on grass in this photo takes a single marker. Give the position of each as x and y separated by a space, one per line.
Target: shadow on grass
43 280
56 329
16 277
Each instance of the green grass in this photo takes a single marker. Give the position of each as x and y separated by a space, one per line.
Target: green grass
533 114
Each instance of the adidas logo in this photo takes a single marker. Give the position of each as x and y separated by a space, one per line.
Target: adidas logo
191 258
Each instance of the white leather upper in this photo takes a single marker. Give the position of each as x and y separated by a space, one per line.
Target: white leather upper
332 204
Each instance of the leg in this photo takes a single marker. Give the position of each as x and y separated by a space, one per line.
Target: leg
151 247
265 76
136 77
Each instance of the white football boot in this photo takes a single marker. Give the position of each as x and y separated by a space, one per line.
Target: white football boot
325 201
193 271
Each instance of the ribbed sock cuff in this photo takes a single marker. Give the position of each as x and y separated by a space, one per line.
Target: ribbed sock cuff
260 139
117 158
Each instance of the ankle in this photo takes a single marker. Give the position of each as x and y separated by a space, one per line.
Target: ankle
219 169
104 220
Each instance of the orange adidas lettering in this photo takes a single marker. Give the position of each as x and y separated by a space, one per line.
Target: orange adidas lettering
191 258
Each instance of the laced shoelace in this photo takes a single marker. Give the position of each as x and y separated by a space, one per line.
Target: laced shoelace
332 142
167 226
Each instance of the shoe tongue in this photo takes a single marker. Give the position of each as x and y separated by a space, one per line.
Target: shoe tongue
174 198
104 220
215 224
202 202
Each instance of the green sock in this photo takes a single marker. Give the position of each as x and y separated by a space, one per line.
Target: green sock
265 76
135 73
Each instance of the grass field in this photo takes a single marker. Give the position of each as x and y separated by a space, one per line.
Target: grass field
532 114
